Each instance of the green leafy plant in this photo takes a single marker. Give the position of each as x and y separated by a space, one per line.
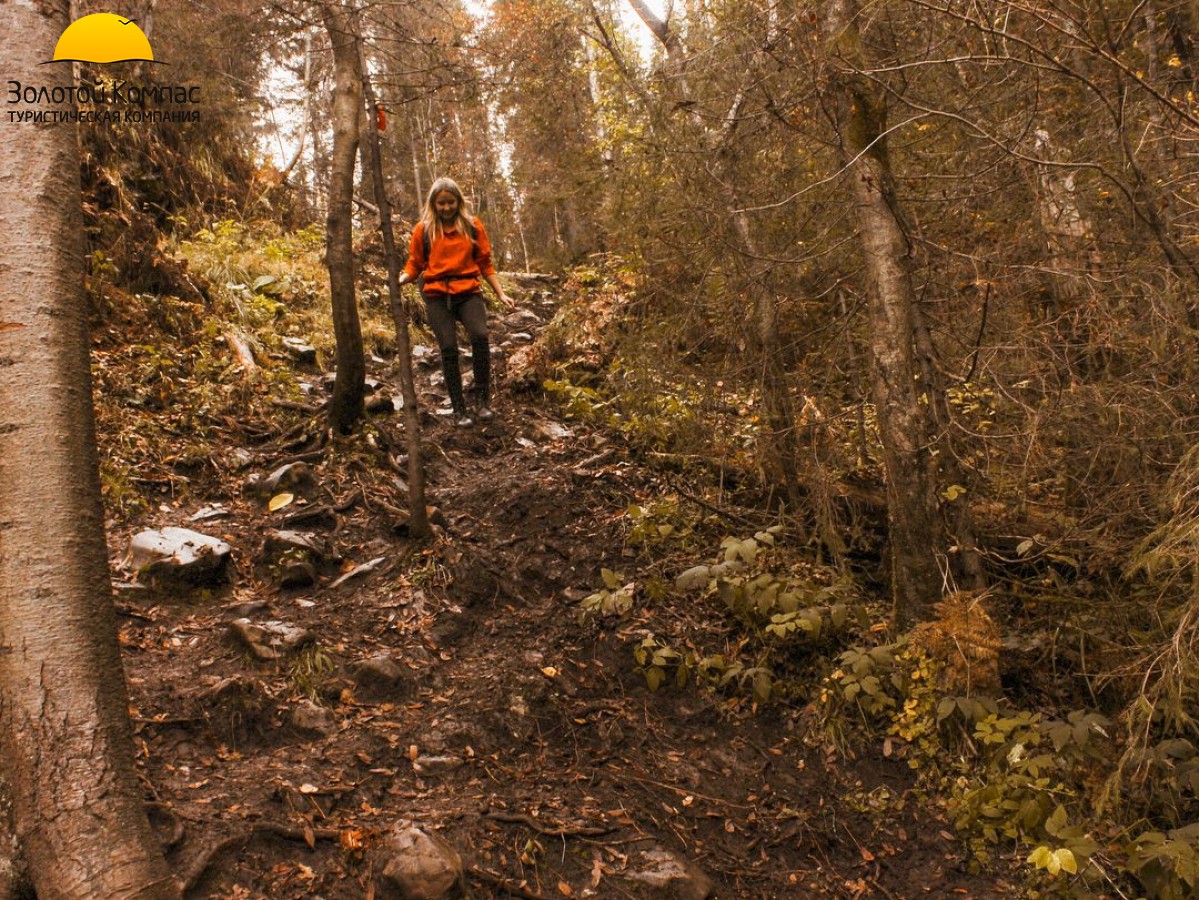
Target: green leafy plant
615 598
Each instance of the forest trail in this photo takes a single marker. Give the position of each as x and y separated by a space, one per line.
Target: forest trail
488 714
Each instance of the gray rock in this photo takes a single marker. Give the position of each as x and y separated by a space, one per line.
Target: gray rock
292 475
208 512
381 676
301 351
242 458
270 640
278 542
178 554
522 318
419 865
309 719
662 875
296 555
244 608
426 357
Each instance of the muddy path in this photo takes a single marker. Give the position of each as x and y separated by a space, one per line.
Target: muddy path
453 686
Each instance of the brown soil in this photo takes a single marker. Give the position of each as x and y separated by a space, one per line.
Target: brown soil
563 765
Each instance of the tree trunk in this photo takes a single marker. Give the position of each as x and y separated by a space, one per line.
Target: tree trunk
346 407
65 742
418 525
905 430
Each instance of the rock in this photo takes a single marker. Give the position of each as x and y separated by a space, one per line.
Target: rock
292 475
662 875
436 765
522 318
244 608
419 865
553 431
278 542
296 555
296 573
301 351
380 676
381 401
310 719
270 640
208 512
426 357
178 554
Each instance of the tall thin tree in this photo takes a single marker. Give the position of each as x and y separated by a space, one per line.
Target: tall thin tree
346 407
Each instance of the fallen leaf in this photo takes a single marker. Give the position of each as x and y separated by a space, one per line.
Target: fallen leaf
281 500
549 672
564 889
308 789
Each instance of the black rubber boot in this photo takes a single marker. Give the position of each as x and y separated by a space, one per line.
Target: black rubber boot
453 384
481 359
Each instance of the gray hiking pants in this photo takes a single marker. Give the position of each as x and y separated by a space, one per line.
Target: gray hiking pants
469 309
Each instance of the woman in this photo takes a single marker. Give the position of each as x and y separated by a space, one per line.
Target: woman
450 247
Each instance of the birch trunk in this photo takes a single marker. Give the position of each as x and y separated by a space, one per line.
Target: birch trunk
905 429
65 742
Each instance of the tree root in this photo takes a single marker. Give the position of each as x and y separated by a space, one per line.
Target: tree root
199 867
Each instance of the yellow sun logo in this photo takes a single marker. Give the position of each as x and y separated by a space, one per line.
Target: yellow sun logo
103 38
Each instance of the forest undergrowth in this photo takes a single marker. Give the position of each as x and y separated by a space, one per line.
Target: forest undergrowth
614 597
514 684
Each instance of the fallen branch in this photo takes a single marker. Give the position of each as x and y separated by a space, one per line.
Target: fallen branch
522 819
241 350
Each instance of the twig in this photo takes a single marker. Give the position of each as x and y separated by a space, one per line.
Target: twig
522 819
503 884
306 515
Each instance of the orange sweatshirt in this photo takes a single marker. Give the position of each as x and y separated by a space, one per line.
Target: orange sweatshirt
452 254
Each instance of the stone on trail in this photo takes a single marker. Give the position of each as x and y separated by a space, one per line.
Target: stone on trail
295 554
662 875
309 719
301 351
380 676
292 475
419 865
269 641
522 319
178 554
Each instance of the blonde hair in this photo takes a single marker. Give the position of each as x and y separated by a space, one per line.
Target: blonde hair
432 222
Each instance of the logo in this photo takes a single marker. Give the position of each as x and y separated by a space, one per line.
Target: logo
100 39
103 38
